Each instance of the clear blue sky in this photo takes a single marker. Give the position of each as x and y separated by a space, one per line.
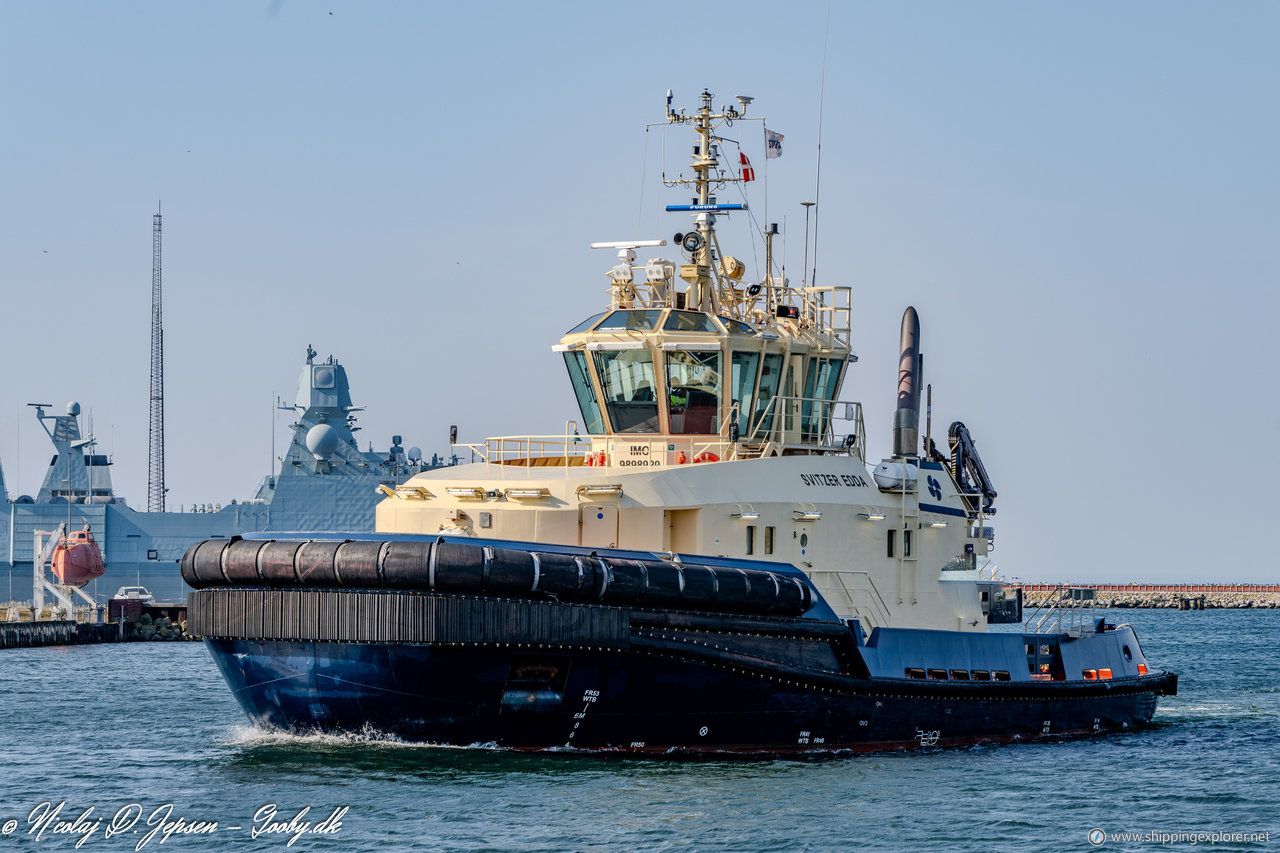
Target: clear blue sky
1079 198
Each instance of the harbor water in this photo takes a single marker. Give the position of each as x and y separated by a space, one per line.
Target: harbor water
147 735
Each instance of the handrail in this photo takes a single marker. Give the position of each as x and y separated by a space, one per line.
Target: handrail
1068 601
821 412
499 448
832 318
569 445
868 604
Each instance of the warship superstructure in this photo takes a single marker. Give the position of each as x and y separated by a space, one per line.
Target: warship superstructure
325 483
714 566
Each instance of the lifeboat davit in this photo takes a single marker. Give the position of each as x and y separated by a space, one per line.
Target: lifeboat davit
78 559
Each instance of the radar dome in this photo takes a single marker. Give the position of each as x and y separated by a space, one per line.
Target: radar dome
73 408
323 440
415 454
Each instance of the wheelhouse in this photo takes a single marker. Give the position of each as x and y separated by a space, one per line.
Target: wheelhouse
670 371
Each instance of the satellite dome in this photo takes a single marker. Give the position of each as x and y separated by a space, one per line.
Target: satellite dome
73 408
415 454
323 440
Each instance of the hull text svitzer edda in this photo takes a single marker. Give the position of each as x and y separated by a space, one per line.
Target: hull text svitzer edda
709 567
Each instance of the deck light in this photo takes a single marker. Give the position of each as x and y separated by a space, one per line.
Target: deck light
413 492
527 494
600 490
466 492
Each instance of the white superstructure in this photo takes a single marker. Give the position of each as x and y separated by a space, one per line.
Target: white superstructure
712 424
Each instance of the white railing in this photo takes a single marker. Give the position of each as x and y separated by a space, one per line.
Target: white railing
859 592
1069 603
808 421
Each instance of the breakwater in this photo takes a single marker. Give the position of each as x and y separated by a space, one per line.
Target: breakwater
1165 596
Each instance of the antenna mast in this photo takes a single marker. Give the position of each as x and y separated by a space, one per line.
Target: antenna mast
155 453
701 295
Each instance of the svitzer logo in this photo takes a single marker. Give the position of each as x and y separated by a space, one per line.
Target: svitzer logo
934 489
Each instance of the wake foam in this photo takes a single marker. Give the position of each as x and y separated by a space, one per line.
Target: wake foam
253 736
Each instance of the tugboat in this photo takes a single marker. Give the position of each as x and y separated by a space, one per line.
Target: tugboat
712 568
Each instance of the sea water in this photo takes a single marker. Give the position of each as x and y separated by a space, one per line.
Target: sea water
141 746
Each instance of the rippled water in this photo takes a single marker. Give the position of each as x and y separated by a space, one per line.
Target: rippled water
151 724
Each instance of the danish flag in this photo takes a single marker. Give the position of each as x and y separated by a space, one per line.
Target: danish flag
748 173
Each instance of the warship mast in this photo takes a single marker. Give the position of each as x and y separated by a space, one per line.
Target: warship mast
155 451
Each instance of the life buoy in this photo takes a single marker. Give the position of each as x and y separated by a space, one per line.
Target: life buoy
706 456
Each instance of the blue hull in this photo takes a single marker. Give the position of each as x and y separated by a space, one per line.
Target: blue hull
462 642
644 702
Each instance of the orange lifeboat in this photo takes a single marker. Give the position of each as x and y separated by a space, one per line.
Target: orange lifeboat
77 559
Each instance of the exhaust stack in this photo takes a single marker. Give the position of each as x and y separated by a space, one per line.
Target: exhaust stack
906 419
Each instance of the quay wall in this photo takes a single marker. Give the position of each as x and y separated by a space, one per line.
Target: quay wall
1170 596
17 635
26 634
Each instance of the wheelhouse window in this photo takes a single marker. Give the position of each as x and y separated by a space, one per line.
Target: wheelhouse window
790 408
826 387
693 388
636 320
689 321
834 367
591 418
770 373
585 324
744 385
807 413
736 327
820 382
627 381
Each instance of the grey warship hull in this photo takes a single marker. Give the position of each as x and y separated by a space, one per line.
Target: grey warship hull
325 483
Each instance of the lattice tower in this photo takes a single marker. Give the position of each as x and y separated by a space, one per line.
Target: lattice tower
155 453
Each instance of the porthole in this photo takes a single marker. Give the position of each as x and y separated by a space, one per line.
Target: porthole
1128 655
804 540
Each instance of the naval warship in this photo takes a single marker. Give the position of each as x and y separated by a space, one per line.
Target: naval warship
325 483
713 567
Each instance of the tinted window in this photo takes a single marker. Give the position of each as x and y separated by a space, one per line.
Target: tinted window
638 320
577 364
762 422
627 380
737 328
689 321
584 325
693 387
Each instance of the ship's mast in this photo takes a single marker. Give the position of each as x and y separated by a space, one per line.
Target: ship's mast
702 296
155 453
